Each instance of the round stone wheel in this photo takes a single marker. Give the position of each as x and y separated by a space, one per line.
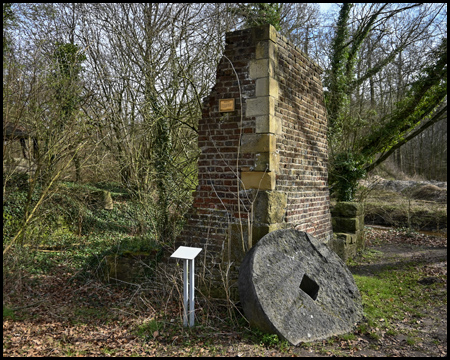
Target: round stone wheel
292 285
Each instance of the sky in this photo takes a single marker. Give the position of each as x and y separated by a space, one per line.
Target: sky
324 6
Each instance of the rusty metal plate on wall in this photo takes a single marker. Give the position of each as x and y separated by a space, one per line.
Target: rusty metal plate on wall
226 105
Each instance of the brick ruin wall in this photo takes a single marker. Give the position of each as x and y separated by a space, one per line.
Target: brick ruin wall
262 166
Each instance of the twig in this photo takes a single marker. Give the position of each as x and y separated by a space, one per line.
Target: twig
27 306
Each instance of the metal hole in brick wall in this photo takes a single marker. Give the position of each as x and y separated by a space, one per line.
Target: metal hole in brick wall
309 286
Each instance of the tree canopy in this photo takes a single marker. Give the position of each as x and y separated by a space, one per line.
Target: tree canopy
137 103
420 106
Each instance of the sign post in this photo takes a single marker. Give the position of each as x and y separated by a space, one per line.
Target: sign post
188 254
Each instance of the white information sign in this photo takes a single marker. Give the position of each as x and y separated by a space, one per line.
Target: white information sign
188 254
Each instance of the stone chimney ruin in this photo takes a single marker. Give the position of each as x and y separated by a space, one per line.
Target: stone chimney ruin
263 162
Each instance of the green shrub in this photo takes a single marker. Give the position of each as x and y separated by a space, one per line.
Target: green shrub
8 313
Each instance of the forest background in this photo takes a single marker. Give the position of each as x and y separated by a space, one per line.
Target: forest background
112 93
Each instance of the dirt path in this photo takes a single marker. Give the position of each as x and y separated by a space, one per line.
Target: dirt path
394 254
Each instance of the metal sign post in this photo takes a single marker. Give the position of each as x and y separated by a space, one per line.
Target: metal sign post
188 254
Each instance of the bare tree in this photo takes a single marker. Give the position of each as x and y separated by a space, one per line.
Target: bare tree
44 94
373 105
148 93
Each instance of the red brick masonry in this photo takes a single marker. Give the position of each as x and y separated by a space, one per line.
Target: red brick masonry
274 141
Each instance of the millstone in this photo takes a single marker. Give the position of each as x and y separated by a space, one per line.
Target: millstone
292 285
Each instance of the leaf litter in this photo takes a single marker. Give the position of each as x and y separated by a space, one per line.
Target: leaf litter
57 317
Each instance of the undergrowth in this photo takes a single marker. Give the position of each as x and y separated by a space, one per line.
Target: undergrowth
63 261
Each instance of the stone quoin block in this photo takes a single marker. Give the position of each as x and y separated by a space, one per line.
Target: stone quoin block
257 143
269 207
266 50
263 105
267 86
258 180
267 161
348 227
268 124
261 68
266 32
